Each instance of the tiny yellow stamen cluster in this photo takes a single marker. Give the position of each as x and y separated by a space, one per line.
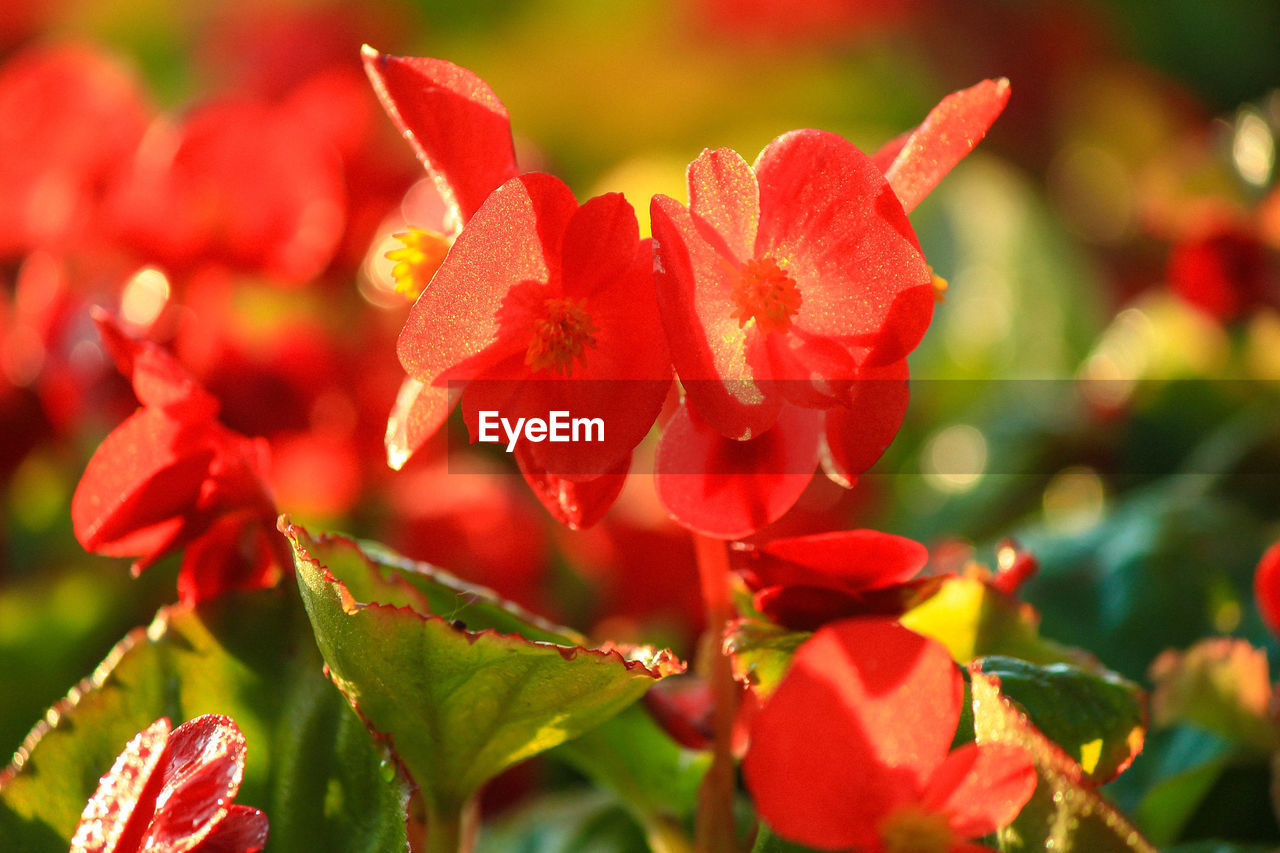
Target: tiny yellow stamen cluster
939 287
417 260
913 830
561 336
766 294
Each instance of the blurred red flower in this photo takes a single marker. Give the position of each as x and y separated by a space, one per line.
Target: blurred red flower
853 749
172 477
172 791
1266 588
70 119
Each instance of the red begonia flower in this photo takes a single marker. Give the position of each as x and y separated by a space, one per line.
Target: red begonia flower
454 122
916 161
172 477
172 792
69 118
729 489
1266 588
853 749
544 305
775 276
237 182
805 582
1225 270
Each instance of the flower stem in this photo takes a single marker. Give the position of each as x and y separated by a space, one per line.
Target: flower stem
715 828
453 832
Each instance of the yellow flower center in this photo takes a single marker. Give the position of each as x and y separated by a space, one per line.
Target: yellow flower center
561 336
766 294
417 260
913 830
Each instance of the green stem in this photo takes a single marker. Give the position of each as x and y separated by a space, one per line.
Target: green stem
663 837
715 827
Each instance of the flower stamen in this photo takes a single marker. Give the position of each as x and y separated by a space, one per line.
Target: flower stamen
561 337
417 260
764 293
912 830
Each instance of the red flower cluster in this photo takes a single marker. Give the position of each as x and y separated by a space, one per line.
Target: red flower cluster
786 297
171 477
866 715
172 791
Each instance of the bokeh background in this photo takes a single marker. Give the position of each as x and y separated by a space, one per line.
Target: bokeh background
1102 381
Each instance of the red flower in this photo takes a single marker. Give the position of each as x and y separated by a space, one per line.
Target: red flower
778 281
544 306
237 182
1266 588
798 284
805 582
172 477
69 118
853 749
172 792
1225 270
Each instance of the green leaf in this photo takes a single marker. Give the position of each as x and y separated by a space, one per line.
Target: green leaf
768 842
974 620
459 705
309 766
1170 802
654 778
577 822
1097 719
1220 684
761 652
1064 813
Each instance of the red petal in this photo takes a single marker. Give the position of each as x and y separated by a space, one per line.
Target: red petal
981 787
454 122
723 194
599 247
238 551
710 350
846 559
512 239
808 608
862 718
827 210
243 830
158 379
144 477
105 819
827 367
418 412
577 505
730 489
857 434
201 773
1266 588
948 133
